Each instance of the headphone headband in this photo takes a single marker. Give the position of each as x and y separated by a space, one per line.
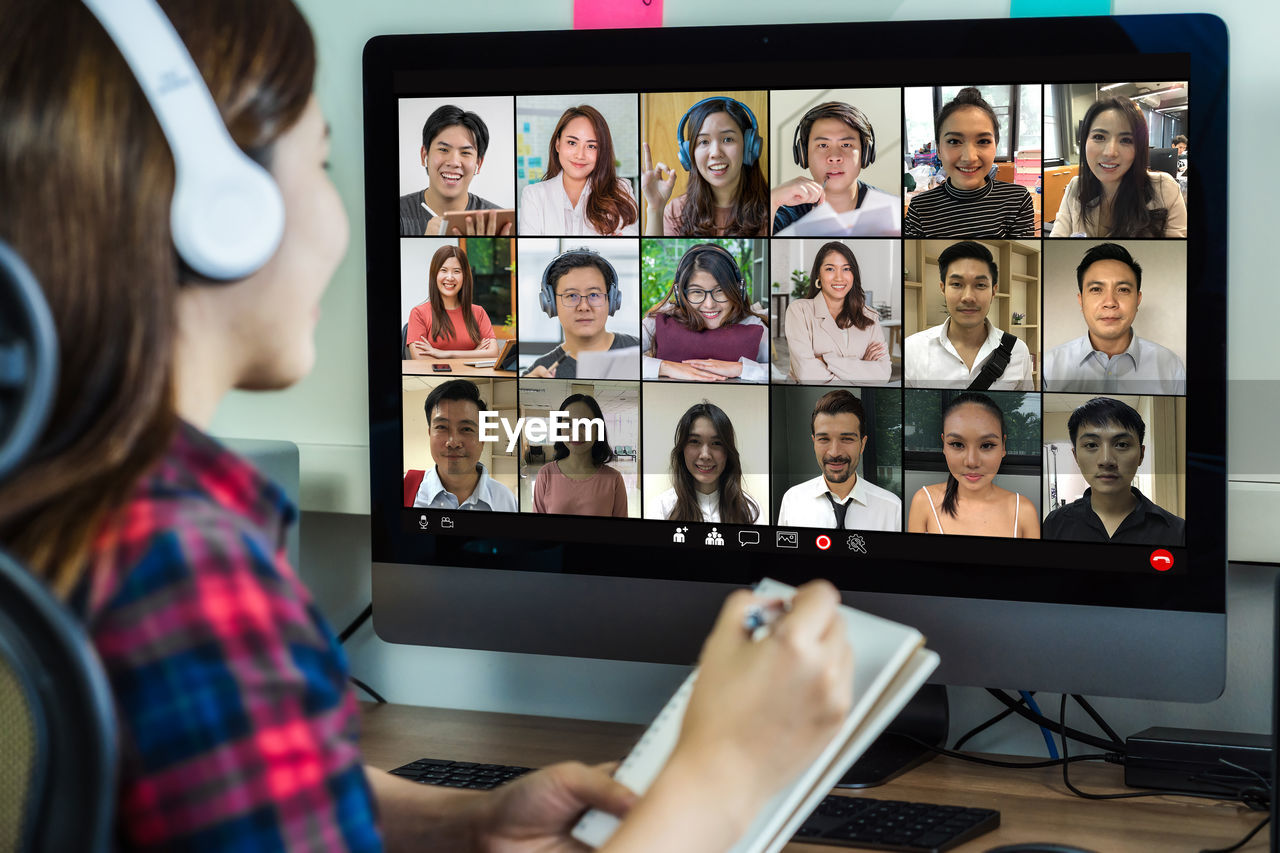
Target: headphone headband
751 142
227 215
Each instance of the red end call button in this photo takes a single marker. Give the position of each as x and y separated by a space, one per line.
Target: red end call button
1161 560
823 542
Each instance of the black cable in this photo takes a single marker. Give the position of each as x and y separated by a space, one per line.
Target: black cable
356 623
982 727
1057 727
1113 757
1097 718
367 689
1243 841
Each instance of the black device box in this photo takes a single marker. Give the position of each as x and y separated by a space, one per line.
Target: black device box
1188 760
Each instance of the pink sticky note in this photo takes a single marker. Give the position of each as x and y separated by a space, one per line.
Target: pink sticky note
610 14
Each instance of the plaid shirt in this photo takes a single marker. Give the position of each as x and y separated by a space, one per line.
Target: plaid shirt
238 727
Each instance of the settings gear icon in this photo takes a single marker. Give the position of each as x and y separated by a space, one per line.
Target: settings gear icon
856 543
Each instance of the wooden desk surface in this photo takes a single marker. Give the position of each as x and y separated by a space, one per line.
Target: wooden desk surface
1033 804
422 367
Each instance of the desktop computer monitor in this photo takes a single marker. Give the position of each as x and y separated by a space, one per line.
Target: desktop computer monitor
713 316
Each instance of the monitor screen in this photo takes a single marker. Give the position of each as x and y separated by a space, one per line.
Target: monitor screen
679 309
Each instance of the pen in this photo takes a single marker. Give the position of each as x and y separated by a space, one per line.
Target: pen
759 618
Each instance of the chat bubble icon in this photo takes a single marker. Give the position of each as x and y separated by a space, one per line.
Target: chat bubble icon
748 537
788 539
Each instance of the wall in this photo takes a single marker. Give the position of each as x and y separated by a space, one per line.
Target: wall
326 414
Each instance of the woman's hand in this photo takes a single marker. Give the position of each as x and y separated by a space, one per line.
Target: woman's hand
875 351
422 349
685 370
800 190
656 182
727 369
535 813
761 711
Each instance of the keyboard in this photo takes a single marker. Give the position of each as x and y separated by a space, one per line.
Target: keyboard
842 821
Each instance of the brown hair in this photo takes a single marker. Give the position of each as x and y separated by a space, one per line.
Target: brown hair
852 311
87 179
441 325
608 207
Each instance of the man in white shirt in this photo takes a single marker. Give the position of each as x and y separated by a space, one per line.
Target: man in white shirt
967 351
1111 358
838 498
459 479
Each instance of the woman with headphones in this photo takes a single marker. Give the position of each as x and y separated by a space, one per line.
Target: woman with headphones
728 195
835 142
704 329
237 721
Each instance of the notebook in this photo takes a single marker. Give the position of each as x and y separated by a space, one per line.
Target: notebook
891 665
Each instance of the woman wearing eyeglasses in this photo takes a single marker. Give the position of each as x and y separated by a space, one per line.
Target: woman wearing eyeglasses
704 330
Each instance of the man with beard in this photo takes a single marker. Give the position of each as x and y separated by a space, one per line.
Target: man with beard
838 498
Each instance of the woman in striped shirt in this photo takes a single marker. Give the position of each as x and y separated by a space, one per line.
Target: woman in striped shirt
971 203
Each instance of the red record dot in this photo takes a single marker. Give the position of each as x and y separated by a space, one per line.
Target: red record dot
823 542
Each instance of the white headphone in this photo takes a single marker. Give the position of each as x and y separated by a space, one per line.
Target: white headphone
227 215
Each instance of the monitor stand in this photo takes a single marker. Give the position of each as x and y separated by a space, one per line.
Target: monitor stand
926 718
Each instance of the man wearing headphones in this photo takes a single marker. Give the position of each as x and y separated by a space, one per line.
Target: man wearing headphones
834 141
580 289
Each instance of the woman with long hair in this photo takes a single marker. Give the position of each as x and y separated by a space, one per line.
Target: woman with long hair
237 722
832 334
449 324
706 472
577 481
581 193
971 203
1116 195
727 195
704 329
973 443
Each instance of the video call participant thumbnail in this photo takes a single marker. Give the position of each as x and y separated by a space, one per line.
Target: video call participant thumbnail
1110 357
581 193
454 142
706 472
834 141
1107 442
449 324
967 350
972 203
458 480
838 498
728 195
577 481
704 329
973 444
580 289
832 334
1116 195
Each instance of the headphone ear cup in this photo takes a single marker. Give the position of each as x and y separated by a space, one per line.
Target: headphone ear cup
684 156
868 151
615 298
752 146
547 305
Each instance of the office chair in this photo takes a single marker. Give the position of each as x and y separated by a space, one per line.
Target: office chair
57 718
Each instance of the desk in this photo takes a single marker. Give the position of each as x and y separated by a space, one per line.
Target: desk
1033 804
422 367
